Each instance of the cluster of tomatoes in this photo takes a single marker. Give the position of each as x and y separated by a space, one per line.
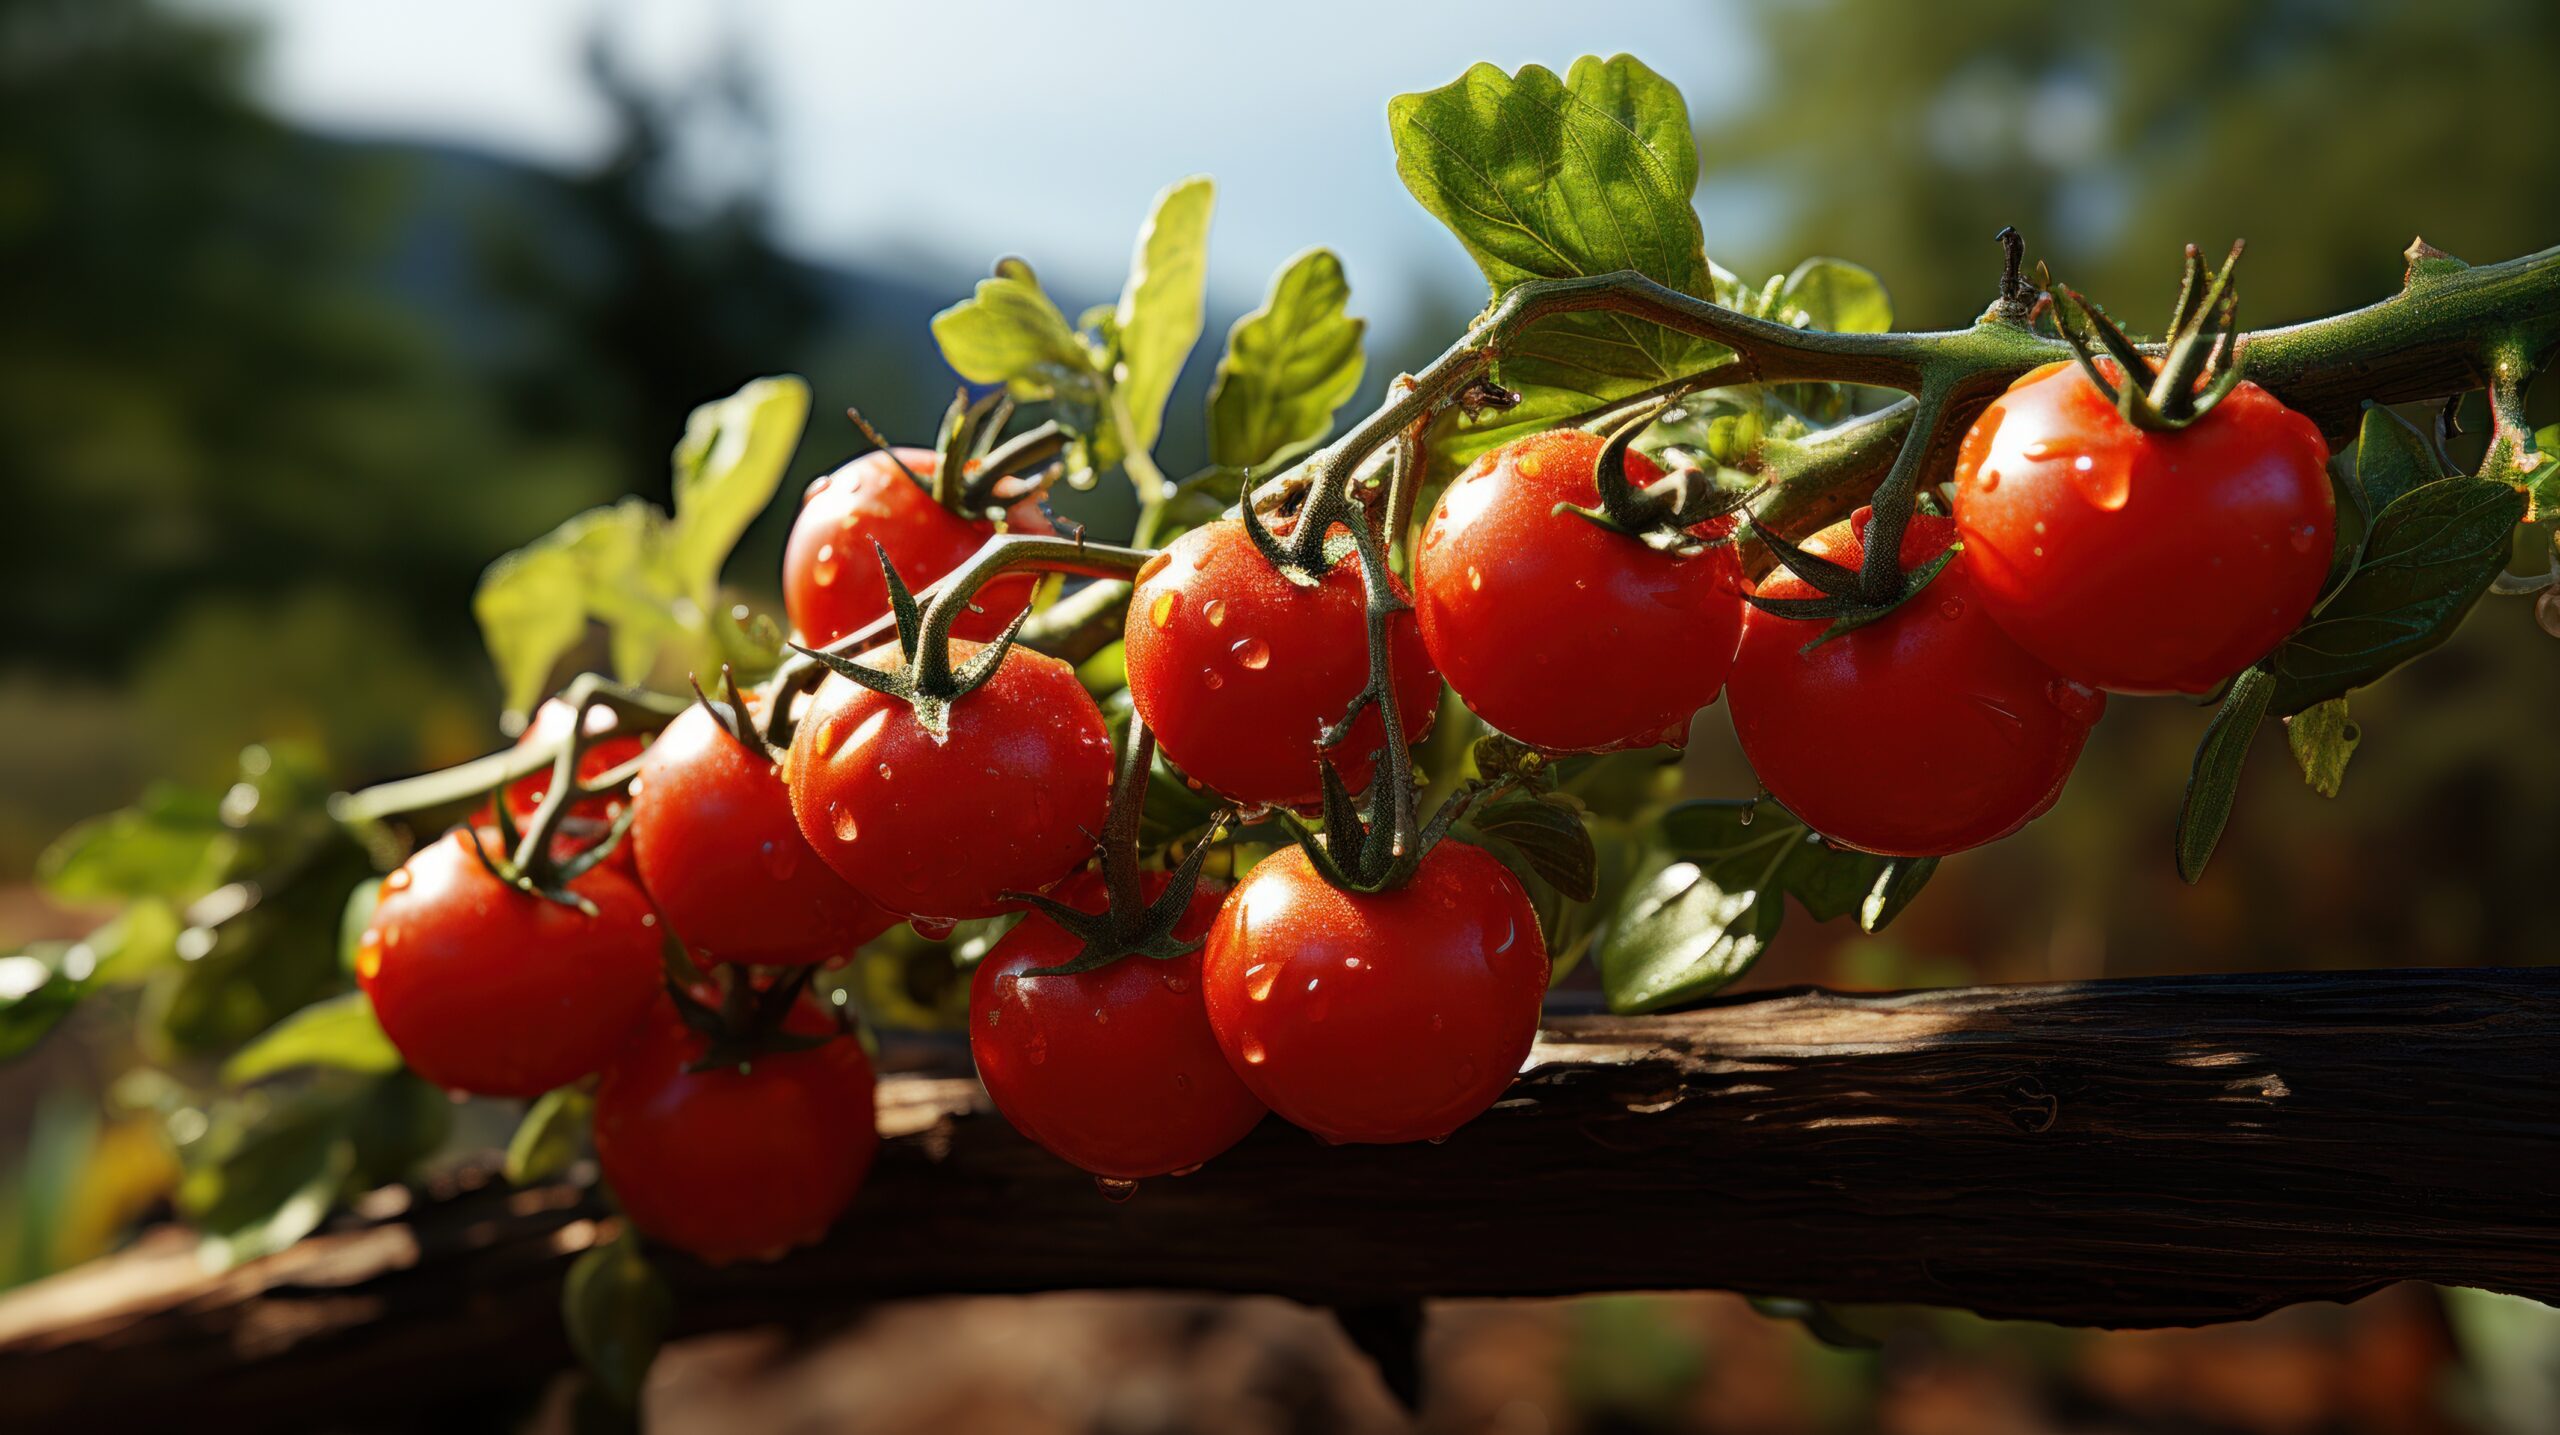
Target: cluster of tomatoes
2095 557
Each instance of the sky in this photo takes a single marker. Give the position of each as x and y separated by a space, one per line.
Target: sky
883 113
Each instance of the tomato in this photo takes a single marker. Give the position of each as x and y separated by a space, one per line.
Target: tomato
492 990
942 825
1924 732
831 583
588 819
1238 668
2143 562
1394 1017
1115 1069
738 1162
714 841
1561 633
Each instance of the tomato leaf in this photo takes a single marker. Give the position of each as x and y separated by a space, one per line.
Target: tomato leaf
548 1138
1894 888
2544 486
2323 738
398 1123
1289 367
267 1178
617 1308
339 1033
1550 837
35 995
1542 178
2391 459
2432 552
2215 780
1009 332
1162 306
172 844
727 468
531 605
1836 295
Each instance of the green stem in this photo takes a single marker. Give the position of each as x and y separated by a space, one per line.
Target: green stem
635 711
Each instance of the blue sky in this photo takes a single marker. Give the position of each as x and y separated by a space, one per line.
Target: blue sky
882 111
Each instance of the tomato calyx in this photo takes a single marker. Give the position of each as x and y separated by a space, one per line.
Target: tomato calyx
978 473
1128 925
2202 365
736 720
1662 514
748 1020
531 858
926 681
1847 611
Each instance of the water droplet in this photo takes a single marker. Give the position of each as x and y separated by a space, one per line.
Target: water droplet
369 961
1253 653
1474 578
1113 1189
1351 964
1161 611
1529 465
2039 525
1176 983
1101 1017
1436 1140
1258 979
1209 676
1254 1055
1750 811
1439 1022
1180 1171
2304 537
2106 488
847 827
1153 566
1990 480
2079 703
1510 934
1215 610
648 919
1951 609
2040 450
1182 1083
932 929
823 572
817 486
398 881
1037 1049
781 859
2011 725
884 772
2039 550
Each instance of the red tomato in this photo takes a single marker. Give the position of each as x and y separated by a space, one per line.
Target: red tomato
1114 1070
741 1162
1395 1017
940 827
1557 631
590 819
831 583
489 989
716 847
1237 669
2143 562
1922 733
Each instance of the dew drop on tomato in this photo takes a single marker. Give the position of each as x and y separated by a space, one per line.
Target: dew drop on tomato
397 881
847 829
1253 1052
1114 1190
1209 676
1215 610
1161 613
2079 703
1253 653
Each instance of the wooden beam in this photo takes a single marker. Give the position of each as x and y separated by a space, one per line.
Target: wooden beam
2122 1153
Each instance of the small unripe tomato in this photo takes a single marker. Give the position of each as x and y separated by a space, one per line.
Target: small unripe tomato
2143 562
739 1162
1398 1016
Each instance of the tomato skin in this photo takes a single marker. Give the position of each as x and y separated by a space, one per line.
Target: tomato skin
831 582
1558 632
1114 1070
1008 800
731 1164
717 849
489 989
1236 669
1925 732
589 819
2169 562
1394 1017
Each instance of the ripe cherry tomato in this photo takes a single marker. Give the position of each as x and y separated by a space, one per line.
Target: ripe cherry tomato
831 583
740 1162
1113 1069
2143 562
1924 732
589 819
1237 668
1559 632
716 847
489 989
1395 1017
940 827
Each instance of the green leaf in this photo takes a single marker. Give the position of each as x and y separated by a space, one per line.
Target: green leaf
354 918
549 1137
397 1124
1542 178
2215 780
1161 306
1838 296
1550 837
727 468
173 845
2391 459
2544 485
618 1310
34 997
1701 921
1289 367
2323 738
1009 333
531 605
2432 552
339 1034
269 1178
